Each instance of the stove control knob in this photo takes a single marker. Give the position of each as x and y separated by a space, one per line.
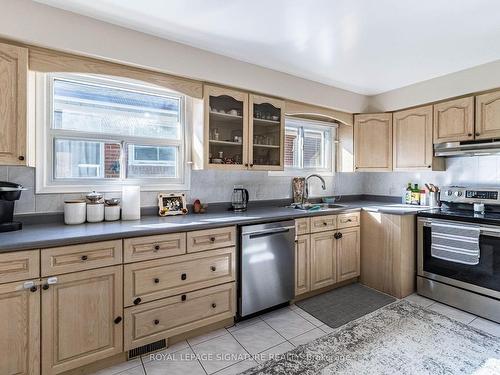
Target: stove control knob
449 193
458 194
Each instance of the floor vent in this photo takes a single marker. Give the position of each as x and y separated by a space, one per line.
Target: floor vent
161 344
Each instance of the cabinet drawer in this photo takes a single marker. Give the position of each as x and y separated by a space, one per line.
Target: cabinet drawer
153 247
171 316
348 220
201 240
302 226
151 280
66 259
20 265
323 223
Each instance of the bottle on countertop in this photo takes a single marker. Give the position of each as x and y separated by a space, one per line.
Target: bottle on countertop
407 196
415 195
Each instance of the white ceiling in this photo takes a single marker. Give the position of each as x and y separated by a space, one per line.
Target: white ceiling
365 46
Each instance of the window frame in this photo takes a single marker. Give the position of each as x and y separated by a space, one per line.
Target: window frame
331 159
45 136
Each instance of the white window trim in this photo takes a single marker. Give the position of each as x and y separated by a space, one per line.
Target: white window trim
46 184
301 172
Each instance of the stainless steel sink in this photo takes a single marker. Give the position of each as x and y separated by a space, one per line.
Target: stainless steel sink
317 206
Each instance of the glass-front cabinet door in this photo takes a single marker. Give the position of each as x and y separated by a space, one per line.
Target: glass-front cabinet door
226 128
266 133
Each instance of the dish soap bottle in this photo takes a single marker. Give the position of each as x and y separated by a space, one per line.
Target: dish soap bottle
407 196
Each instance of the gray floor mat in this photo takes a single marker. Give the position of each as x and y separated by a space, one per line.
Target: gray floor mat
340 306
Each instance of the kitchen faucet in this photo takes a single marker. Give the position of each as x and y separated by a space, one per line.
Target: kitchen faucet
305 194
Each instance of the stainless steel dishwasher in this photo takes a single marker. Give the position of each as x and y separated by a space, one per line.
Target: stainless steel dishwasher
267 268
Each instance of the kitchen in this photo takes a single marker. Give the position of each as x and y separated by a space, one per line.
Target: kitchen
223 211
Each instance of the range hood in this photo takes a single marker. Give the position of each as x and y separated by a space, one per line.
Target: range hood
469 148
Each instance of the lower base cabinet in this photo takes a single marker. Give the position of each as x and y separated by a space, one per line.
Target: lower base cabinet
302 264
82 319
323 259
19 330
348 251
171 316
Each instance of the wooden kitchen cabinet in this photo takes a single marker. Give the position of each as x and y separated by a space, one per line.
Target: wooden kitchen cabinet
302 264
413 140
226 128
20 330
454 120
82 319
388 253
373 142
323 259
14 105
488 115
348 250
266 133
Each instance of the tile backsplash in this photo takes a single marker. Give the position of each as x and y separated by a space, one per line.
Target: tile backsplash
208 186
217 186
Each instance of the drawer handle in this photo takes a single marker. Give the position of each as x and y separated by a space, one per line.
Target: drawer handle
212 239
214 305
156 280
33 289
118 320
84 257
156 247
213 268
183 276
156 322
183 297
137 301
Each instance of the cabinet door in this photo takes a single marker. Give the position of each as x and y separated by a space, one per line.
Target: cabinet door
412 136
13 104
226 128
373 142
266 133
82 319
302 264
488 115
20 330
323 259
454 120
348 248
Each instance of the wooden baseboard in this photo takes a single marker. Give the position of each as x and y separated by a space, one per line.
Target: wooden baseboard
323 290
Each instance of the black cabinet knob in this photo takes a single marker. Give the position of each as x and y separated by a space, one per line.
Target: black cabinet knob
213 268
214 305
157 247
33 289
137 301
156 322
183 297
251 165
45 286
470 134
156 280
21 157
325 223
118 320
478 134
212 239
340 235
84 257
246 164
183 276
349 220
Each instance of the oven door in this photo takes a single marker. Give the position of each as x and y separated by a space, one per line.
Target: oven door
483 278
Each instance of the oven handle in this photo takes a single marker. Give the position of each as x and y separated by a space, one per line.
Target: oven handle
485 231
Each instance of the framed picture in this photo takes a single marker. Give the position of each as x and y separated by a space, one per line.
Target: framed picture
172 204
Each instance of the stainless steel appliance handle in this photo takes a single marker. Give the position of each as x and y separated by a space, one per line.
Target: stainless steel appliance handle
269 231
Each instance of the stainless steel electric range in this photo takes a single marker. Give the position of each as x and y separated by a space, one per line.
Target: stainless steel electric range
458 251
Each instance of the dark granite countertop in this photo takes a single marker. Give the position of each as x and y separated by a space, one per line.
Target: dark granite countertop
34 236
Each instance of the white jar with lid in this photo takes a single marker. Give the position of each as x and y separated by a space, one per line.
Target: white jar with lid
95 212
75 211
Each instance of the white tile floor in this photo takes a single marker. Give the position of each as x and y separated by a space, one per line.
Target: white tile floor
237 348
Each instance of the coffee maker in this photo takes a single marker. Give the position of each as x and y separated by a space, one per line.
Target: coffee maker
9 194
240 199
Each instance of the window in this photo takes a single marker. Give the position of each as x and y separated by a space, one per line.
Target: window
308 145
104 132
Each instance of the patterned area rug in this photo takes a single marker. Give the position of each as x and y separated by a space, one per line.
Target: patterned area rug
402 338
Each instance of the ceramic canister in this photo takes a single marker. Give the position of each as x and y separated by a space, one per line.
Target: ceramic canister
75 212
95 212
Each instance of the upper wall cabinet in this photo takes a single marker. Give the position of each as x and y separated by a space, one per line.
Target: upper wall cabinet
226 128
454 120
13 105
266 133
373 142
412 140
488 115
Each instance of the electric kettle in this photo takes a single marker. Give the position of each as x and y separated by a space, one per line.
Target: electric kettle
239 199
